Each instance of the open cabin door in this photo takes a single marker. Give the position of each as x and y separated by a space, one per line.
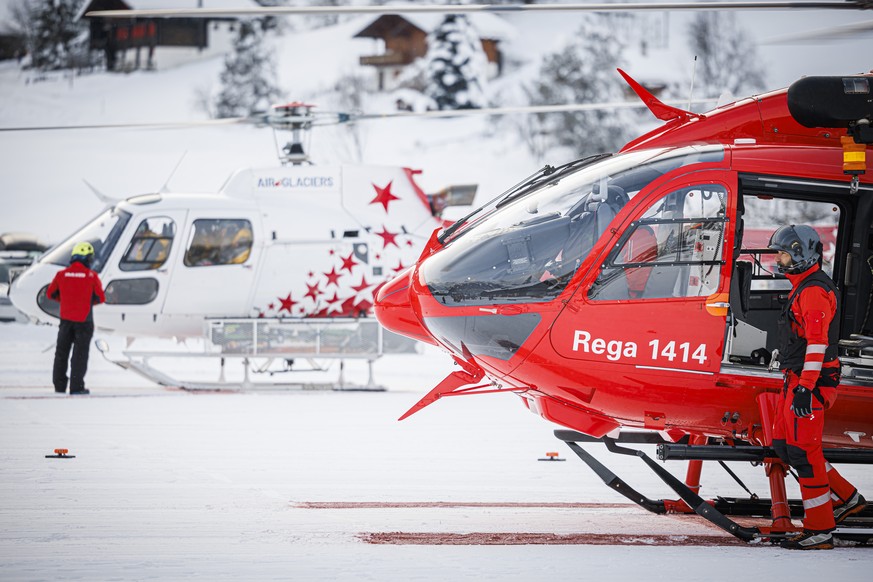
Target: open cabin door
658 300
758 290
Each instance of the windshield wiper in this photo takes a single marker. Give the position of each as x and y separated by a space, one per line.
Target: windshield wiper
521 187
546 170
554 175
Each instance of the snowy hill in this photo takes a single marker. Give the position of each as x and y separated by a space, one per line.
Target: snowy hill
41 187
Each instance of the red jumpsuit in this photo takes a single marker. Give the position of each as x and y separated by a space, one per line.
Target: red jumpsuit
77 288
809 359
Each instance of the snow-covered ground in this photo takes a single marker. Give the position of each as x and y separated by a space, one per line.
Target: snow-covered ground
171 485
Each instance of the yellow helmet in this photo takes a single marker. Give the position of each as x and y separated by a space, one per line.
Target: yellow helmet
83 249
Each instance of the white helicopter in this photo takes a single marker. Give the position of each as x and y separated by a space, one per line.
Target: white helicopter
288 242
295 240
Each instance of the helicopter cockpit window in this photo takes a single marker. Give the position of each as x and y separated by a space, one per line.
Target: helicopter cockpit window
150 246
102 232
219 242
131 291
674 250
527 245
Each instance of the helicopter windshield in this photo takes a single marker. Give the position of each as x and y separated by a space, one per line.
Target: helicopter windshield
102 233
525 248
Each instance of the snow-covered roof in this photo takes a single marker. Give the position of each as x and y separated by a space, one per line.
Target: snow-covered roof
488 26
185 4
180 4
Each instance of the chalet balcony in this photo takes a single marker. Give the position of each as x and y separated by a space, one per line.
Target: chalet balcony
388 59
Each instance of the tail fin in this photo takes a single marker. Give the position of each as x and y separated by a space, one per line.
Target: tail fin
660 109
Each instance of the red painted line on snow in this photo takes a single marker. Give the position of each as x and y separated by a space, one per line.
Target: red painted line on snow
451 504
518 538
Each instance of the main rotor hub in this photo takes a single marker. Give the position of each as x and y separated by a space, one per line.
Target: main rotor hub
297 118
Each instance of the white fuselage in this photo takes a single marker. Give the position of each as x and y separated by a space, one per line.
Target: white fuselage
296 241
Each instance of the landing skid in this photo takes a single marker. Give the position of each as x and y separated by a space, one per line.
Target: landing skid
269 348
140 363
857 528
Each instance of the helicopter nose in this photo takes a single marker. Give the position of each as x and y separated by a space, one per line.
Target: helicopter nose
24 291
395 311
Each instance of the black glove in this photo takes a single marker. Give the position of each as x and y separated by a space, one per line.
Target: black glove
801 404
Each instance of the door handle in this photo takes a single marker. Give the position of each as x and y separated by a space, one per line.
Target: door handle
718 305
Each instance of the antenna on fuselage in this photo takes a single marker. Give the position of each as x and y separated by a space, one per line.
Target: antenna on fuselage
166 186
100 195
297 118
691 90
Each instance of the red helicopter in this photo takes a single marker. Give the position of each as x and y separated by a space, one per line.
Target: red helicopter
635 290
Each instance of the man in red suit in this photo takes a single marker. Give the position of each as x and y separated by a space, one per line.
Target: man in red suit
78 289
809 331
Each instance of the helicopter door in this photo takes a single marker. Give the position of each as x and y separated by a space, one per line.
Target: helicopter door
136 280
214 272
659 299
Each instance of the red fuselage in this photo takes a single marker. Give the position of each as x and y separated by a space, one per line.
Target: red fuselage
606 293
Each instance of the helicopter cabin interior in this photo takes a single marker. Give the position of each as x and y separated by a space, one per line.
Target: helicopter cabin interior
758 293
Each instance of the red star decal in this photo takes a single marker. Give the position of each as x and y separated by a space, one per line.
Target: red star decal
312 291
383 196
271 306
333 299
332 277
400 266
287 303
311 274
409 243
362 285
348 262
388 238
331 252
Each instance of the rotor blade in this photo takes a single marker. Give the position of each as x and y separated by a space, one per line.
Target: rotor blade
530 109
331 118
474 8
145 125
832 33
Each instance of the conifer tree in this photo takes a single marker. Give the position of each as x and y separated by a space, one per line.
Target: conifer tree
728 59
583 72
248 79
55 40
456 65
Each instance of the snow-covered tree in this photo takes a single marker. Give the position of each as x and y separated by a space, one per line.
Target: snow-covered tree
248 78
456 65
583 72
349 95
728 59
54 39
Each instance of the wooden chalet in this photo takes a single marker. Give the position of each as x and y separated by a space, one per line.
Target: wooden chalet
115 36
404 39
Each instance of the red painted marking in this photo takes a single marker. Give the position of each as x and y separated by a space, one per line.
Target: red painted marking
449 504
520 538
